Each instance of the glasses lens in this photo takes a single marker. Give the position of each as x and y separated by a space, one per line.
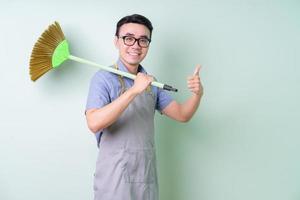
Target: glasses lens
129 40
143 42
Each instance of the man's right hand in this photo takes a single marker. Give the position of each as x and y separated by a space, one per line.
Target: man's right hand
141 82
101 118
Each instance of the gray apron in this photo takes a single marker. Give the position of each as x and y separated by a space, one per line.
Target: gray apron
126 163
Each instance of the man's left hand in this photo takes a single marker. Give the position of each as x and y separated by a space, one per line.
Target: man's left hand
194 83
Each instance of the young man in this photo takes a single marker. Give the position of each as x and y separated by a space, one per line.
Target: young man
120 112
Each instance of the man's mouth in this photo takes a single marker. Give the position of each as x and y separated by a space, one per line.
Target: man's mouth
134 53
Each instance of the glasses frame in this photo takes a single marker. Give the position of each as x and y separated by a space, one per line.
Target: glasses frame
135 39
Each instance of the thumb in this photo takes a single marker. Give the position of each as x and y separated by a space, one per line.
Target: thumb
197 69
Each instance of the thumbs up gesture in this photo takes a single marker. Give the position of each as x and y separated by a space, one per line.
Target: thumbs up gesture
194 83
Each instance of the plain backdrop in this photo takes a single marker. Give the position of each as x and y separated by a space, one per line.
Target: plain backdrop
242 144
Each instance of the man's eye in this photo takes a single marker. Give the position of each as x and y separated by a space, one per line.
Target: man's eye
129 39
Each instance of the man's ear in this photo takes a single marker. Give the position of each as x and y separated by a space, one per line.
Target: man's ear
116 42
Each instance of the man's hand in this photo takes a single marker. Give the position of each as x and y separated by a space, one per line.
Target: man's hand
141 82
112 111
194 83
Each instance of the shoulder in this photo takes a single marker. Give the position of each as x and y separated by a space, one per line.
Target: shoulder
102 76
105 82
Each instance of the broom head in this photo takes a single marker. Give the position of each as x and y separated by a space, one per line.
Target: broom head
49 52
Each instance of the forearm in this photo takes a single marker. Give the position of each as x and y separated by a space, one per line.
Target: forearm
103 117
183 112
189 107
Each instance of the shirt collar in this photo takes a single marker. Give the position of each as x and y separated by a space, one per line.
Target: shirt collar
122 67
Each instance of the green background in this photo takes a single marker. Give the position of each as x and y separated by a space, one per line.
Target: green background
242 144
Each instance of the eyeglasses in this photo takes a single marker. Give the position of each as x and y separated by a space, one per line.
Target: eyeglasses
130 41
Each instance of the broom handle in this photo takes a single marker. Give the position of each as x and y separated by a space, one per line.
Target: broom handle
121 73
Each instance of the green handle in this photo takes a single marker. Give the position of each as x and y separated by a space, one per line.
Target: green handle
122 73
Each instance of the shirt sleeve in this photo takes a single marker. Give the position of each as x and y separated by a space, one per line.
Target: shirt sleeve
98 95
163 99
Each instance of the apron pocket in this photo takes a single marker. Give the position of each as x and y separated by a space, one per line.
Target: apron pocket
140 165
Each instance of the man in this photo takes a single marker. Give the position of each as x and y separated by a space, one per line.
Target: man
121 111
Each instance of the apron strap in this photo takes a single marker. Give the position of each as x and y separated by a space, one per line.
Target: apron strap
121 81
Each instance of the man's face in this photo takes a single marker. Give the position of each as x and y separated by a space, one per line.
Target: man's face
132 55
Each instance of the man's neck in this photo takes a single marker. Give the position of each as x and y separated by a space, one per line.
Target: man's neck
133 69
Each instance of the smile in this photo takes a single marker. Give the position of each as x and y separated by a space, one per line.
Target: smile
134 54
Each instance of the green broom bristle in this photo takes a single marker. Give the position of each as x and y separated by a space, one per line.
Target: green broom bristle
42 56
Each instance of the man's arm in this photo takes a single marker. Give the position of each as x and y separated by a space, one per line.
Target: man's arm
184 112
98 119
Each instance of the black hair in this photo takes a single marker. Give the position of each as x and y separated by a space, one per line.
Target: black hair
135 18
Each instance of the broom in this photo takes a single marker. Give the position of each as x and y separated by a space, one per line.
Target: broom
52 49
